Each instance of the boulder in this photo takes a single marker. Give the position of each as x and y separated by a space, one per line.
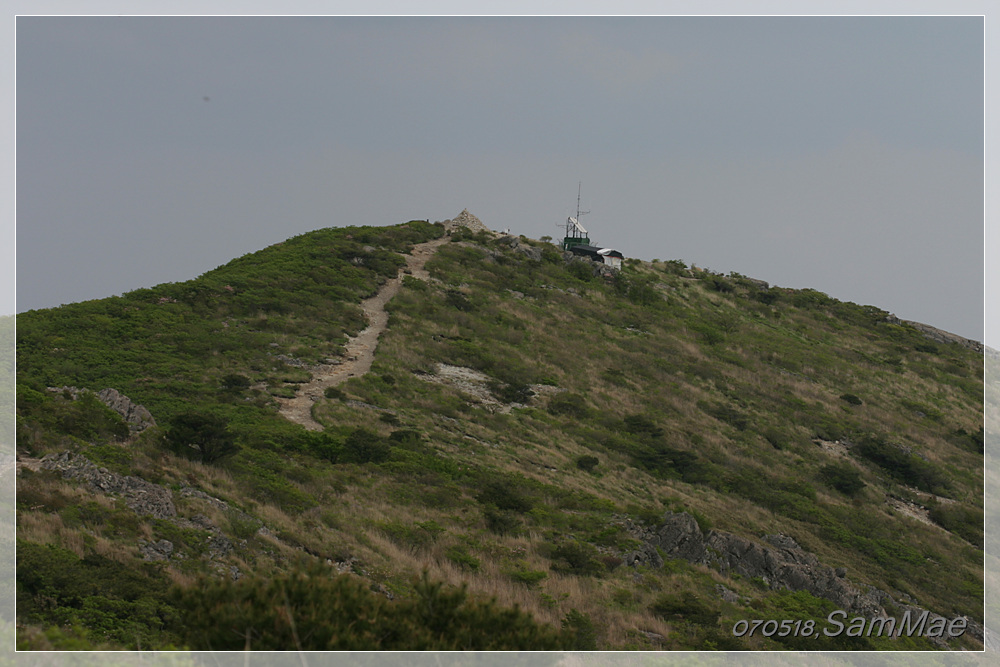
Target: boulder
468 221
136 416
152 551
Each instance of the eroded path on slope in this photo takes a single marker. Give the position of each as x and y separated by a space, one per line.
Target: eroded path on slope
360 349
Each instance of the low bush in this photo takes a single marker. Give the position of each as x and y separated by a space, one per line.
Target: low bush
842 477
504 494
459 555
686 607
901 464
570 405
202 436
581 631
501 522
966 522
851 398
311 609
575 557
105 600
364 446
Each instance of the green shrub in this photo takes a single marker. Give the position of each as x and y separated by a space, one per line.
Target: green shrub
587 463
686 607
641 425
111 456
504 494
575 557
242 526
904 466
581 270
776 437
364 446
415 536
107 601
86 417
235 382
851 398
459 301
312 609
570 405
334 393
510 393
967 522
581 629
202 436
501 522
842 477
407 438
973 442
717 283
459 555
527 577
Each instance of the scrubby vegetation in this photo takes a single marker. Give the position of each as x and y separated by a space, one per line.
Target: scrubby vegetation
756 409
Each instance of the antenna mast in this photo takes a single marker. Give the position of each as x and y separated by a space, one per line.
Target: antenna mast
579 189
575 233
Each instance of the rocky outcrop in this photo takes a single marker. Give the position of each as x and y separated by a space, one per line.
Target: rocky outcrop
938 335
468 221
153 551
780 562
142 497
515 244
599 269
136 416
148 499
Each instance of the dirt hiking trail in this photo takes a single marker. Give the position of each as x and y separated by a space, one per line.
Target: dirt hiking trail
359 352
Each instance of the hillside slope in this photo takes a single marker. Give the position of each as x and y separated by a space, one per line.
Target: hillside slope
637 459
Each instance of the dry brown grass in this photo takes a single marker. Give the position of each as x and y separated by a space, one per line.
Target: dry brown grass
50 529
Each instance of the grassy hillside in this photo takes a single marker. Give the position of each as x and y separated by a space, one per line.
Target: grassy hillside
519 411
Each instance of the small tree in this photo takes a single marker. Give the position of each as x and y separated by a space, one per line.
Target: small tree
364 446
235 382
203 436
581 631
842 477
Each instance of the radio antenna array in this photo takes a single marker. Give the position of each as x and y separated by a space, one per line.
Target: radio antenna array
579 189
575 233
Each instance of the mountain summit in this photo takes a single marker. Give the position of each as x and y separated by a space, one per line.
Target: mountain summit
436 436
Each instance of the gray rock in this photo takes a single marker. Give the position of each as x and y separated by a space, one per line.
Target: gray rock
136 416
680 537
781 563
152 551
142 497
468 221
531 252
729 595
647 555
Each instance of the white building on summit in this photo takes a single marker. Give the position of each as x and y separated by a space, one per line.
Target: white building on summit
608 256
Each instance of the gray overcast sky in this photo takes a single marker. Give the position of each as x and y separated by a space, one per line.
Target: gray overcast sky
839 153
